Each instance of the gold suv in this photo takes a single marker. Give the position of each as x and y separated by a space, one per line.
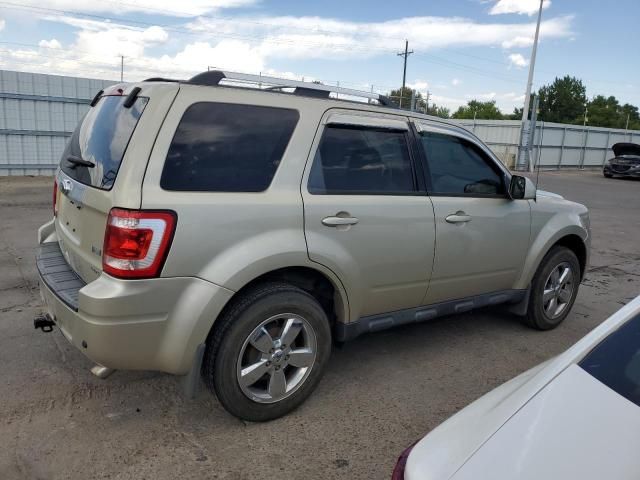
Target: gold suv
235 226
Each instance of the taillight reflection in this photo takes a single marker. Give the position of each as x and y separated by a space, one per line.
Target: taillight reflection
398 471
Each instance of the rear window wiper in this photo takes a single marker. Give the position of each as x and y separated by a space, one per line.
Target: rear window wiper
79 161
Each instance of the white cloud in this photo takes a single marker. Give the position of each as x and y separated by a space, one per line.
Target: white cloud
114 41
419 85
517 60
455 82
184 8
249 44
526 7
53 43
2 24
518 42
326 37
232 55
485 97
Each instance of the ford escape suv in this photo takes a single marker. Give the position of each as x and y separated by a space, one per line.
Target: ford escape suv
235 226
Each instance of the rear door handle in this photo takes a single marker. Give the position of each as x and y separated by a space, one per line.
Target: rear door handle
458 217
338 221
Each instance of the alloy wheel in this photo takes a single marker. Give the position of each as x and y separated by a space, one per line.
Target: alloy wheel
276 358
558 290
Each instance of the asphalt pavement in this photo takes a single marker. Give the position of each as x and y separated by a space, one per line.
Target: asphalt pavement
380 393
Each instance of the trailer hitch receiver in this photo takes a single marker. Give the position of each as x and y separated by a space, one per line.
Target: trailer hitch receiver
44 323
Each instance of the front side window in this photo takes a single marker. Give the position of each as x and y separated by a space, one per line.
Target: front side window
359 160
224 147
616 361
458 167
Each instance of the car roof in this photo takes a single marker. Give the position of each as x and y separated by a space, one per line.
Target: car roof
310 91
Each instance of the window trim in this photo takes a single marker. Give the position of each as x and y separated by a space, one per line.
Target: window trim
418 188
218 102
489 158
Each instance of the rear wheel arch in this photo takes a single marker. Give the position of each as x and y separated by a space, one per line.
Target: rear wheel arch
326 290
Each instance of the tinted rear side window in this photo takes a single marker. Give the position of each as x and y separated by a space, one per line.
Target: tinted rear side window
616 361
359 160
101 138
223 147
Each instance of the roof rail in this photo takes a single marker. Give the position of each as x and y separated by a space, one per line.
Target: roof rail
318 90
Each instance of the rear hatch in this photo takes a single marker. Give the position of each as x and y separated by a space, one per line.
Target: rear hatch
95 156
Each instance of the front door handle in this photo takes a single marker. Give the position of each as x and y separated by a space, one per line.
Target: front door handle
458 217
339 221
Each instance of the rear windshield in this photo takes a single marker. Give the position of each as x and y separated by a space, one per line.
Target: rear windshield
101 138
223 147
616 361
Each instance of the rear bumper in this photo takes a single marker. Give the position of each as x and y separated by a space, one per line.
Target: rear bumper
154 324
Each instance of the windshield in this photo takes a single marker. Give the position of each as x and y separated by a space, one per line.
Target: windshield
616 361
101 138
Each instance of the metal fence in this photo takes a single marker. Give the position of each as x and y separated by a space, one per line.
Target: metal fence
39 112
554 145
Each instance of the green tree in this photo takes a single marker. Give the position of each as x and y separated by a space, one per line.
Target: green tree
630 112
479 110
407 94
435 110
605 112
563 101
516 115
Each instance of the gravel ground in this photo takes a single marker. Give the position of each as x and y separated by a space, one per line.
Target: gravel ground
381 392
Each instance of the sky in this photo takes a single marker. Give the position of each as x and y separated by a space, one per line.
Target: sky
463 49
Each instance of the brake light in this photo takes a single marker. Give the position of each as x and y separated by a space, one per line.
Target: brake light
136 242
55 197
398 471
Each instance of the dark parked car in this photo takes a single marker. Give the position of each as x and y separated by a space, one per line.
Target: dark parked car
626 162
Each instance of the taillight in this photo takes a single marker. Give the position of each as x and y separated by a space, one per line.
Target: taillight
398 471
136 242
55 197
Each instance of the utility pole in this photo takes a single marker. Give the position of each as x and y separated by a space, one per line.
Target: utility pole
404 71
122 68
586 112
427 102
532 63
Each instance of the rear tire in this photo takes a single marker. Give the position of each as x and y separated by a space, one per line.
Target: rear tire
267 352
554 289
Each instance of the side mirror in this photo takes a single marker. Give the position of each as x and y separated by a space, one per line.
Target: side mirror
521 188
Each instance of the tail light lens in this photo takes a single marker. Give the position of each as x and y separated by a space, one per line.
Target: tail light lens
136 242
55 197
398 471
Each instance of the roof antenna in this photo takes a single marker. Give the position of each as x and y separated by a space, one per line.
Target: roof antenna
539 157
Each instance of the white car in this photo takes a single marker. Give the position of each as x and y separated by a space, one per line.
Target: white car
576 416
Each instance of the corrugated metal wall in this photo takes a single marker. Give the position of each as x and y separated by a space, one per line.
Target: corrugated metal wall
37 115
39 112
554 145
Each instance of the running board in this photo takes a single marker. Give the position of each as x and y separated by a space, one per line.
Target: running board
375 323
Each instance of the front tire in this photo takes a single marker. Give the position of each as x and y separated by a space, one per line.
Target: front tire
267 352
607 175
554 289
